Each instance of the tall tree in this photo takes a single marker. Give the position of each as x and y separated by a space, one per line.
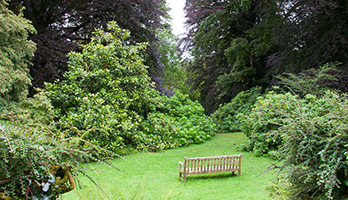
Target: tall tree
15 54
238 44
223 57
175 74
63 25
310 34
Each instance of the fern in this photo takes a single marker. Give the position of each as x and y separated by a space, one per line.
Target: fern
29 153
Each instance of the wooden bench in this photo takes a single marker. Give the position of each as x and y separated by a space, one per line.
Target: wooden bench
204 165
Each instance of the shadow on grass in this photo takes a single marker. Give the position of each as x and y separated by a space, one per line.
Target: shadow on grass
216 176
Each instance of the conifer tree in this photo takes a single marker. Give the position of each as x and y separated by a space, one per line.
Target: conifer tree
15 54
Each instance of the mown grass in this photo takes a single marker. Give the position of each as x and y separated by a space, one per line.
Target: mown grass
155 175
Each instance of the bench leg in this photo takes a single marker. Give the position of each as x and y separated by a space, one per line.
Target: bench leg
182 177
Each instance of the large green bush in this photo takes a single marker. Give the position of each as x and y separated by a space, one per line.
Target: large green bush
174 121
265 117
107 95
190 122
225 117
309 135
36 160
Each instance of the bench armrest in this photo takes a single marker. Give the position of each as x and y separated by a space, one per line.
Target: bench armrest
181 164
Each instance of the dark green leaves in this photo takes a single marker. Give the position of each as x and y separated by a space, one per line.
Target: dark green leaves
107 97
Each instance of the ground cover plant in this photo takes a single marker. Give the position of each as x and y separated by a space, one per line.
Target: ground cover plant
155 175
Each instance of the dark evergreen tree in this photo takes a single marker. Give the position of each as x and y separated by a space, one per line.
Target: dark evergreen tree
224 59
310 34
63 25
238 44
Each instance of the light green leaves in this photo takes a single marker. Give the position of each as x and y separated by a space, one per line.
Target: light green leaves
15 54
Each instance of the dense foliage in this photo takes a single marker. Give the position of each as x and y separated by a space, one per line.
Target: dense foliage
36 160
225 117
39 162
15 54
309 135
35 110
214 26
240 44
312 81
266 116
174 121
63 25
174 73
106 94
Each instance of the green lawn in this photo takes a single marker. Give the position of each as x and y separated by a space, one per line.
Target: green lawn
155 175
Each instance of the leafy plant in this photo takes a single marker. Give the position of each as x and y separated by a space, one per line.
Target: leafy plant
15 54
309 135
36 110
191 124
225 117
39 162
279 188
265 117
105 92
312 81
107 95
315 136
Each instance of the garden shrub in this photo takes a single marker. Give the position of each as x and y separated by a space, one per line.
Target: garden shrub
265 117
225 117
36 110
107 95
191 125
315 81
309 136
36 161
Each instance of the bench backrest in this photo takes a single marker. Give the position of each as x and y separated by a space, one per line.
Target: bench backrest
219 163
